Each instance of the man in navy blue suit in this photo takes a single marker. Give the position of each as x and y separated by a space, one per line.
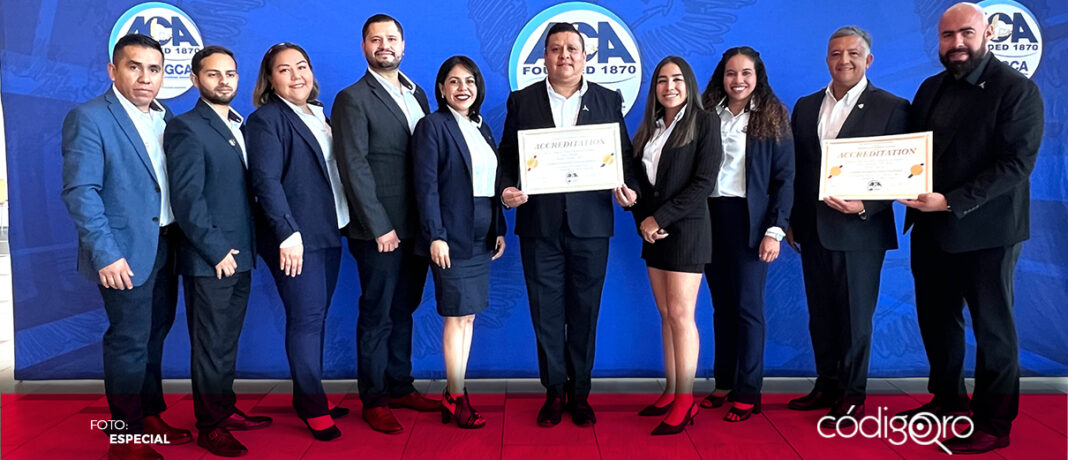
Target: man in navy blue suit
206 162
116 191
563 237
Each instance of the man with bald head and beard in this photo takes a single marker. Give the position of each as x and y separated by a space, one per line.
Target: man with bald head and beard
987 121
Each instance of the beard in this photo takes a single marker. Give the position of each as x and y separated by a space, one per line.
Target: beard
962 68
214 98
376 64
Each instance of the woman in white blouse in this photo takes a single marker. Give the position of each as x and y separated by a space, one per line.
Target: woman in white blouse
455 170
677 150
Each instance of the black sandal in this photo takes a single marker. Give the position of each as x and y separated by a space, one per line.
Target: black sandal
466 416
741 414
713 401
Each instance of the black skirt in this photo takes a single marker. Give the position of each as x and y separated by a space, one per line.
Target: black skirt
463 289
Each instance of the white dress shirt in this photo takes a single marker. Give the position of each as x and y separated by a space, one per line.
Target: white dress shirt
833 112
483 161
233 120
655 146
150 127
731 180
404 97
316 122
565 109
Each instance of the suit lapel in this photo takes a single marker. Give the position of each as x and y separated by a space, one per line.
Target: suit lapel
387 100
128 127
857 114
453 128
543 109
217 124
301 128
584 113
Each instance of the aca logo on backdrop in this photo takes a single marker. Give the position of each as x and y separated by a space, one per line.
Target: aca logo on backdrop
176 33
1017 37
612 57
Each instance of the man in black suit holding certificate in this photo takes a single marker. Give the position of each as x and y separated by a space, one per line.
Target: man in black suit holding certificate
563 237
842 242
987 121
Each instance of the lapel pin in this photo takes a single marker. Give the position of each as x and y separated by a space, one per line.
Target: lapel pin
860 106
233 143
585 109
982 85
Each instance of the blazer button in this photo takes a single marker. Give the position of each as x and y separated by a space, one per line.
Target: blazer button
157 189
155 219
656 194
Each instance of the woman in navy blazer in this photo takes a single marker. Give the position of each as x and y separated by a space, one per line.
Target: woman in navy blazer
455 170
677 151
750 211
295 179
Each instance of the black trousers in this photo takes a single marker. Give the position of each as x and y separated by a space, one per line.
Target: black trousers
565 276
983 279
842 288
139 320
215 310
392 288
736 278
307 301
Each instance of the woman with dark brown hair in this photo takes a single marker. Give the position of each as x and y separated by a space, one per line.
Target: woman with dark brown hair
750 211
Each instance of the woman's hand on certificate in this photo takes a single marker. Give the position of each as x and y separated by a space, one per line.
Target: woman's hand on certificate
845 206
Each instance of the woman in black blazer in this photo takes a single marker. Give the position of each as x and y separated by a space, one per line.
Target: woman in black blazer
750 211
455 170
677 150
295 179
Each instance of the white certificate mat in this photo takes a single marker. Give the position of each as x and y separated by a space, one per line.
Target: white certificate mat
576 159
876 168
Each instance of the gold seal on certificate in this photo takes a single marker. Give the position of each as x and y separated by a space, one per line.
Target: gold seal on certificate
876 168
577 159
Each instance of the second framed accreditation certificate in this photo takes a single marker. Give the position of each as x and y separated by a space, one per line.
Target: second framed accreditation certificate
876 168
576 159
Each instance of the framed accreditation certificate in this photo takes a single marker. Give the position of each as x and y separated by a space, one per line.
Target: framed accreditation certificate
576 159
876 168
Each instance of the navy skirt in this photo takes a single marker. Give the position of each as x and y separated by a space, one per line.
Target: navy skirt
463 289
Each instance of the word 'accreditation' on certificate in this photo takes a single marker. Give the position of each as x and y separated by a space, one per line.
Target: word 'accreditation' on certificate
876 168
576 159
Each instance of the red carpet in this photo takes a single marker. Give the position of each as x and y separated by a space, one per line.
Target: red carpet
47 426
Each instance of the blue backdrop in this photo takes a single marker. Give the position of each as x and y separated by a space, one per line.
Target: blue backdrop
54 53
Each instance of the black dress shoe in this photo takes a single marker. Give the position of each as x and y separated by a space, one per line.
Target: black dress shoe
815 400
581 413
939 410
220 442
337 412
239 421
843 415
977 443
552 411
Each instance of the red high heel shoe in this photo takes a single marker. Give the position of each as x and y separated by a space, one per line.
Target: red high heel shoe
663 428
465 415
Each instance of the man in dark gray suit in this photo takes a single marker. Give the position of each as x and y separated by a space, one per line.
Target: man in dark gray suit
842 242
373 120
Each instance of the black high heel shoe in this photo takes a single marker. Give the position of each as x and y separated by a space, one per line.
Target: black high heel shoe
713 401
337 412
663 428
465 415
323 435
653 410
742 414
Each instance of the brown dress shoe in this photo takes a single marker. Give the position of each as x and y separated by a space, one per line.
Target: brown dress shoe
132 452
815 400
220 442
174 436
416 401
239 421
382 420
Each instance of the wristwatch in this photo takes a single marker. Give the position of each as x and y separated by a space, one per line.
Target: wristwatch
863 214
